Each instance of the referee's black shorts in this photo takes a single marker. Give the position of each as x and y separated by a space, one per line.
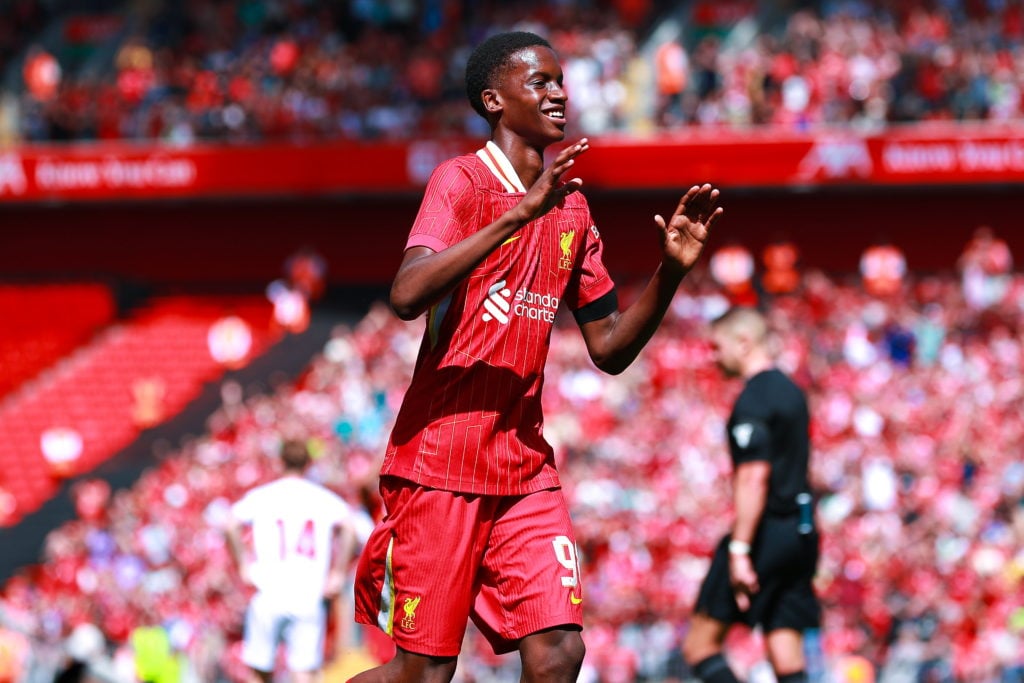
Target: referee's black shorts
785 562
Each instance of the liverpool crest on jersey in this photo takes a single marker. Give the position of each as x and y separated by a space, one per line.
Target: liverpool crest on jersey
565 242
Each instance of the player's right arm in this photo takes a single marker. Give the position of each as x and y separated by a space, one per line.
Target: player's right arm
426 276
236 546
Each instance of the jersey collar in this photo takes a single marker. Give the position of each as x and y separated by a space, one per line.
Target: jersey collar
501 167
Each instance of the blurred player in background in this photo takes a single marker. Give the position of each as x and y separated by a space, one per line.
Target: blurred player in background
476 524
761 573
302 541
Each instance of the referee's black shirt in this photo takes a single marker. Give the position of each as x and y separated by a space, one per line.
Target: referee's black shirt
770 422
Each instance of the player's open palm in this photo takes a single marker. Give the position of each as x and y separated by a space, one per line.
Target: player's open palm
549 190
686 233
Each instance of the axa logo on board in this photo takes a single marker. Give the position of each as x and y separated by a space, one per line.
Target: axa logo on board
501 304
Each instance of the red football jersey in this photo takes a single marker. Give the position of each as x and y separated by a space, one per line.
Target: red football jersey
471 419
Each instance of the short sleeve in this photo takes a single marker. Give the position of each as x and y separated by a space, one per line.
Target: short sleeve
591 280
448 207
243 509
340 510
749 431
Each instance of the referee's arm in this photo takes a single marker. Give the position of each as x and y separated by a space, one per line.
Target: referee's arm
750 489
750 494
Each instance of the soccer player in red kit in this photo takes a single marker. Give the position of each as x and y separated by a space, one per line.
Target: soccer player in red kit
476 526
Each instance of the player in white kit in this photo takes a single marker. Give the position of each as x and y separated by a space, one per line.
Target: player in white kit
302 538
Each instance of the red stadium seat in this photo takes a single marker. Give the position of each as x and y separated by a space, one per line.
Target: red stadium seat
91 390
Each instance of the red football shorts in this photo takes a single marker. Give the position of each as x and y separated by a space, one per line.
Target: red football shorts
439 558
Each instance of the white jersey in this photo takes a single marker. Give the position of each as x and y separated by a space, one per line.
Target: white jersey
292 521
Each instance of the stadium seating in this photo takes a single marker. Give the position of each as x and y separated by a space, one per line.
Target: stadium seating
134 374
321 72
922 563
915 386
44 322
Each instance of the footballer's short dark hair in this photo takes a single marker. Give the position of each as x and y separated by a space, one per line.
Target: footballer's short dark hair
295 455
490 57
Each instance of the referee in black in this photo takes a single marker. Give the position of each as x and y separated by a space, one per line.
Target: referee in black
761 573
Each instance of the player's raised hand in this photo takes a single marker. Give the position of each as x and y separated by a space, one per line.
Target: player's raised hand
686 233
549 190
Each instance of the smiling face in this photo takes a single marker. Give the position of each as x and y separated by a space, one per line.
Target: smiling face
528 99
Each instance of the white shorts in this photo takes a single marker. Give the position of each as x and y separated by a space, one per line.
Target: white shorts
267 626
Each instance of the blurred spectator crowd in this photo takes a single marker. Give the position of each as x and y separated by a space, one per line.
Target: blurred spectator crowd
915 395
266 70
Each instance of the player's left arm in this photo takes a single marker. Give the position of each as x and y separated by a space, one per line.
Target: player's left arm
343 547
343 544
615 341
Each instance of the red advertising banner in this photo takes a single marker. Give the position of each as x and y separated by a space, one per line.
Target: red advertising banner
920 155
122 171
942 155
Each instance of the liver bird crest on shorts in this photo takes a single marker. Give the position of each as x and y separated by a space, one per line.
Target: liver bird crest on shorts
409 607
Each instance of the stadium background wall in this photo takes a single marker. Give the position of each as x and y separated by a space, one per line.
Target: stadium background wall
244 241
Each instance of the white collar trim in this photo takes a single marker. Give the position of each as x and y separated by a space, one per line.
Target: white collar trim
501 167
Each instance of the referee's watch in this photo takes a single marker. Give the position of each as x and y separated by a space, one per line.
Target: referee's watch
739 548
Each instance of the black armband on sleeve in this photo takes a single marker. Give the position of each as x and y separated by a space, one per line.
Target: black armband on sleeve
598 308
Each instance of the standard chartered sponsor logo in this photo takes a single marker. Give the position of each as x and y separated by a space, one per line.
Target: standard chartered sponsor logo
535 306
497 305
500 304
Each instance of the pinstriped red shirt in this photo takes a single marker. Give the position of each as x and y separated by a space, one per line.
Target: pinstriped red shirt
471 419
